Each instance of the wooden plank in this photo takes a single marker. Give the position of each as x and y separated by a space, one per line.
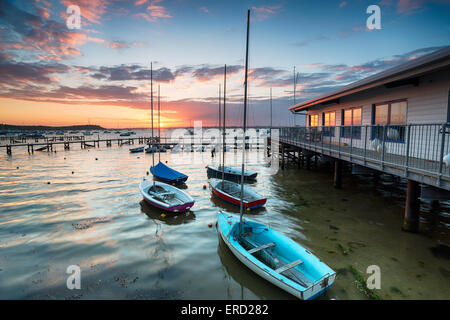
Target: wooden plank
264 246
289 266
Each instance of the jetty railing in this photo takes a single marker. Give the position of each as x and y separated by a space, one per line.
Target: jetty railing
418 148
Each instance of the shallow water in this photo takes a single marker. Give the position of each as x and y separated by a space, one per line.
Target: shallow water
95 218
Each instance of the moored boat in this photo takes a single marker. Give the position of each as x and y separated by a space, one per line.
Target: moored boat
231 192
136 150
275 257
165 196
230 173
168 175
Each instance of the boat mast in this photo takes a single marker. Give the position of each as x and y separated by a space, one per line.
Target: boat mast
220 119
224 128
159 125
151 104
245 126
271 115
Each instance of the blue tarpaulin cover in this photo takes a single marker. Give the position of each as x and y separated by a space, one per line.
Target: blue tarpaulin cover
163 172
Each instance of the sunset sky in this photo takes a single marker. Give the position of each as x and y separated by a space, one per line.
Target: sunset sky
100 73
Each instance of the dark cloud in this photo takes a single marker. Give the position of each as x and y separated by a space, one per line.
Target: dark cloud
207 72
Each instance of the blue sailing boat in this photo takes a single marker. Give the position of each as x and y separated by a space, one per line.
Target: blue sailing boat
168 175
161 171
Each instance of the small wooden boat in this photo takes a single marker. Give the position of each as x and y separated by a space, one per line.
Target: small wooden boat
136 150
230 173
231 192
275 257
165 196
125 134
168 175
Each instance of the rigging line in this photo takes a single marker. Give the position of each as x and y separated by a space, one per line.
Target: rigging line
151 103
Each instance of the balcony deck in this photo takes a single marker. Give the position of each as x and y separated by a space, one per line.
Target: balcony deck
414 152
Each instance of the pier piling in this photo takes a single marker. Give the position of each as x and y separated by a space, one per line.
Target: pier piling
337 174
412 207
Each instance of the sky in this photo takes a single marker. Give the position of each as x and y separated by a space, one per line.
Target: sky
100 73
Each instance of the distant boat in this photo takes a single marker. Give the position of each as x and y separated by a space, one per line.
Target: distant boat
177 148
87 133
230 173
125 134
231 192
151 149
275 257
117 132
136 150
168 175
165 196
106 131
201 148
59 133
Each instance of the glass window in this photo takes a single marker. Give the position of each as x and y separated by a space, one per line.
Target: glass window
314 120
348 117
392 114
398 113
381 114
356 117
351 123
329 119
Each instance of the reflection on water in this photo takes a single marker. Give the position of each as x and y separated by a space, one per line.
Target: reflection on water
83 207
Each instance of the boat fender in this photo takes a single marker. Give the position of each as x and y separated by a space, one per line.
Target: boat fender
204 186
147 172
210 224
163 215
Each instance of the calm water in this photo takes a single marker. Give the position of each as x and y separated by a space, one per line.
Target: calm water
95 218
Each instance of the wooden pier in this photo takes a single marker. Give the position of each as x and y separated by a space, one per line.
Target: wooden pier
49 145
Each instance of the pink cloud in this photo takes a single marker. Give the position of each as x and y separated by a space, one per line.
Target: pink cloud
118 45
343 4
264 12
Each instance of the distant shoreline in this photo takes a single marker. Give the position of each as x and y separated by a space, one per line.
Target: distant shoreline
11 127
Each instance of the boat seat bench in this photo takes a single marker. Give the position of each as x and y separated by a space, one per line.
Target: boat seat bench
288 266
264 246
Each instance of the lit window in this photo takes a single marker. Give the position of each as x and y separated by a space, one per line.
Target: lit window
314 120
351 119
329 119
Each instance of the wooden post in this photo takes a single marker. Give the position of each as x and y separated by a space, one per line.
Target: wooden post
412 207
338 173
299 159
308 162
8 150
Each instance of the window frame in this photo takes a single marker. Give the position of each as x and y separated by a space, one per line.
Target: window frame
351 133
328 131
401 127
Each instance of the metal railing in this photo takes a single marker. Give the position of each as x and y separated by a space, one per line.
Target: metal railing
411 147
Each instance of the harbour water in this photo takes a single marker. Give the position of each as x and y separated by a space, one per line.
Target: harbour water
83 207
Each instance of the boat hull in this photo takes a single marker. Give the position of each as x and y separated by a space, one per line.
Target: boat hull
227 224
187 204
252 205
232 174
